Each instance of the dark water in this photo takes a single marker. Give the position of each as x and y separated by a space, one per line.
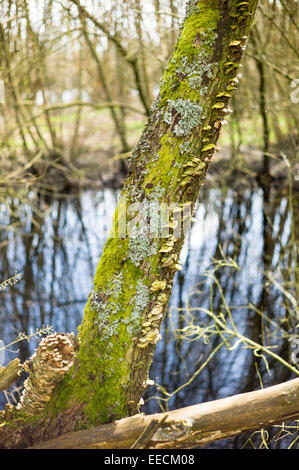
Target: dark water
57 247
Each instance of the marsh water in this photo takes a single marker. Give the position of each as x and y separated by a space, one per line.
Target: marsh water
57 245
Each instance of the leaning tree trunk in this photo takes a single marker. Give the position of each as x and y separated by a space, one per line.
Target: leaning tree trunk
135 274
134 278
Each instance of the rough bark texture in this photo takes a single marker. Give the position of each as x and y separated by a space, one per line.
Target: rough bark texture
9 374
192 426
135 274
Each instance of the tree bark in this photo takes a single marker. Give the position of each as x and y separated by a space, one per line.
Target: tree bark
192 426
134 278
9 374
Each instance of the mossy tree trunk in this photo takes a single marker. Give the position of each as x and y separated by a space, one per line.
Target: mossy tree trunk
168 167
135 274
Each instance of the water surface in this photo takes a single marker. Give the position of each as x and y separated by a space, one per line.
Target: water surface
57 248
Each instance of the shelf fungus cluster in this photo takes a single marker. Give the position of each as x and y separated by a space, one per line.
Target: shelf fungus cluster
150 333
239 15
47 367
158 285
195 166
173 228
169 259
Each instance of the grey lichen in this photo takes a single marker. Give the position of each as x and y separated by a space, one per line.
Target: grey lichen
200 65
116 285
189 115
141 300
145 227
106 309
184 147
99 306
192 8
139 247
108 304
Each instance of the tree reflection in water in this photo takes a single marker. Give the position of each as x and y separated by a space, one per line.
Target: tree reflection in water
57 248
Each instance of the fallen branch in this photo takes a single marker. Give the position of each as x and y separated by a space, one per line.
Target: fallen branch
192 426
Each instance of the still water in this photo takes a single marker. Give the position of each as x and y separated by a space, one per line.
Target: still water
57 245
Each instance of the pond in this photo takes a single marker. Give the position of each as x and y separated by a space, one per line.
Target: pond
57 245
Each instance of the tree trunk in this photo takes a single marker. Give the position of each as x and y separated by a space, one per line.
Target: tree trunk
135 274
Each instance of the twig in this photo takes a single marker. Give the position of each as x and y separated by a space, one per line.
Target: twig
145 437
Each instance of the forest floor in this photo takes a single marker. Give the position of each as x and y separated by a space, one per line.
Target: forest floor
98 161
94 160
239 170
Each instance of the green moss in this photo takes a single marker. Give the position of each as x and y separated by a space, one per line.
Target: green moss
192 56
112 318
192 8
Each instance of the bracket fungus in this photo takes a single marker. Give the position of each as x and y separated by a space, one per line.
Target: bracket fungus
47 367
